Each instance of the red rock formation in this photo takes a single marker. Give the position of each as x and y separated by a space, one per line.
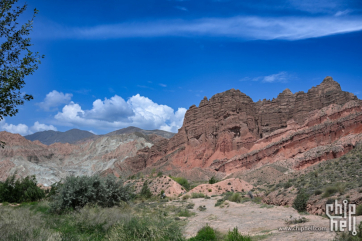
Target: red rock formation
230 132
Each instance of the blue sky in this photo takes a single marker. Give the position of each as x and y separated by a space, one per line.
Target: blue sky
112 64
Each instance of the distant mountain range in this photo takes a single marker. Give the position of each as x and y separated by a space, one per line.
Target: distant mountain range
74 135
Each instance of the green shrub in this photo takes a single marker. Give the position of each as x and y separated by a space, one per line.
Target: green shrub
197 195
76 192
347 236
213 180
190 206
205 234
20 190
159 174
287 185
219 202
317 192
185 213
185 197
300 202
330 191
235 197
359 210
145 191
182 181
147 228
236 236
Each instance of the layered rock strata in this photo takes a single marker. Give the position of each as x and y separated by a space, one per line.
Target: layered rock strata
229 132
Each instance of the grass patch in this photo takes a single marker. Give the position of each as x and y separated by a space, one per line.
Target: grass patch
197 195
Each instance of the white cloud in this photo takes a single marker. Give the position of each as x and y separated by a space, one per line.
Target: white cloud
54 99
242 27
114 113
163 85
23 129
181 8
341 13
281 77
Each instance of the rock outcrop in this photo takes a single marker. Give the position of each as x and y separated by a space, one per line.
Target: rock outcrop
229 132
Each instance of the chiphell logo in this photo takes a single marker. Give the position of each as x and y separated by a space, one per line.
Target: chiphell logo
343 216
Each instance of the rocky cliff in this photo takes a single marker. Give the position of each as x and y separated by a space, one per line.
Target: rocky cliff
230 132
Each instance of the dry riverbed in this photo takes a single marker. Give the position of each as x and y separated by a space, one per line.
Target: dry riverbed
259 220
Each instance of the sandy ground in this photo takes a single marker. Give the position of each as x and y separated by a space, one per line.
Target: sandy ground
254 219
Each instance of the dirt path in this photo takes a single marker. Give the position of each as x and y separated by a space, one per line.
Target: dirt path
254 219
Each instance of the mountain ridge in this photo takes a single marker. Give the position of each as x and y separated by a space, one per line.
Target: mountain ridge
73 136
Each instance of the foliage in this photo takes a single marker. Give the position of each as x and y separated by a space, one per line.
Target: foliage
317 192
147 228
159 174
347 236
76 192
205 234
197 195
185 197
236 236
20 190
219 202
182 181
16 59
145 191
330 191
54 188
300 202
190 206
235 197
213 180
287 185
359 210
185 213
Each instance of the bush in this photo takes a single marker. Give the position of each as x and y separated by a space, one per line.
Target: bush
205 234
287 185
146 192
182 181
359 210
144 228
213 180
236 236
185 213
20 190
185 197
190 206
235 197
347 236
300 202
330 191
317 192
219 202
159 174
197 195
76 192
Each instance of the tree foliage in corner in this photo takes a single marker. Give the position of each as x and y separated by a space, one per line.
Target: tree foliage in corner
16 59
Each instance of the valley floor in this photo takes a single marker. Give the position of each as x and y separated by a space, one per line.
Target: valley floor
260 221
